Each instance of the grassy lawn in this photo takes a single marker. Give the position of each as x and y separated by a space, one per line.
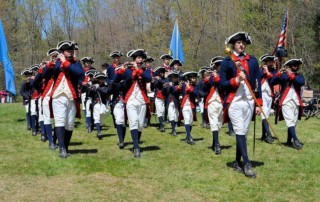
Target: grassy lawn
169 170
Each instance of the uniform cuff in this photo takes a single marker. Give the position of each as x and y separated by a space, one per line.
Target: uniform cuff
121 71
139 71
278 74
270 75
50 65
66 64
234 83
292 76
216 79
260 102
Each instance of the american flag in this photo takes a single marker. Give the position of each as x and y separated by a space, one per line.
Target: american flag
282 42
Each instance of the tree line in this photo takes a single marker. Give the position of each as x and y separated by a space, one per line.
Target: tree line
101 26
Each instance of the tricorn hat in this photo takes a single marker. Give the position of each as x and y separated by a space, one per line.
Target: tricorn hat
116 54
52 51
87 59
166 56
293 62
267 57
244 36
149 59
215 60
99 75
136 53
67 45
175 61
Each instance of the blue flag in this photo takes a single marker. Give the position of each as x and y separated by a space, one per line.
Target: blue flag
5 60
176 44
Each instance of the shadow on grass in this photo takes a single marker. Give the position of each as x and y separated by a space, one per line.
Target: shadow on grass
253 163
77 124
149 148
21 120
223 147
108 135
194 139
75 143
131 143
83 151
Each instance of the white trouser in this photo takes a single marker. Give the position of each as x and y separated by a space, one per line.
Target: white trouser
187 114
88 110
118 113
40 110
290 111
159 106
26 107
64 112
201 105
173 112
215 114
33 107
240 113
97 117
267 102
46 110
83 98
136 112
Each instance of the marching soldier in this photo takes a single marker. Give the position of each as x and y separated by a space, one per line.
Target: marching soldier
175 66
148 61
34 103
136 99
172 100
26 90
203 93
157 85
267 71
116 56
290 101
166 61
118 91
189 91
239 103
99 91
213 103
68 75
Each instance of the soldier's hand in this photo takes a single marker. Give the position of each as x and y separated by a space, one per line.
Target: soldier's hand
265 68
61 57
241 77
258 110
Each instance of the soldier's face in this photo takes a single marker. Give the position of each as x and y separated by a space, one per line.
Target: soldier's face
138 60
240 46
176 67
269 64
148 64
166 61
68 53
116 60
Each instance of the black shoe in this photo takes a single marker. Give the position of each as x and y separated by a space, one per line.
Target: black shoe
162 129
89 130
217 149
52 146
297 144
237 167
269 138
99 135
63 153
43 138
121 145
136 153
34 132
204 125
29 127
174 133
190 141
248 171
231 133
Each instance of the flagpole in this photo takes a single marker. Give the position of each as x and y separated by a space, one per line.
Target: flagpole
177 43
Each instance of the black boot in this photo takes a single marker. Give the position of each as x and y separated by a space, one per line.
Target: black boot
269 138
67 139
217 149
63 153
136 153
248 171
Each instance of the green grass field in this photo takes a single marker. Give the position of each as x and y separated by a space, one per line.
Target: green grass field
169 170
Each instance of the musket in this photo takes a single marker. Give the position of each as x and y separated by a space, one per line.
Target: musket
228 51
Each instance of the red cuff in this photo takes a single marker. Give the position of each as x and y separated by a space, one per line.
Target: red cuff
216 79
40 71
260 102
139 72
278 74
190 89
205 80
50 65
234 83
121 71
178 88
270 75
292 76
66 64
